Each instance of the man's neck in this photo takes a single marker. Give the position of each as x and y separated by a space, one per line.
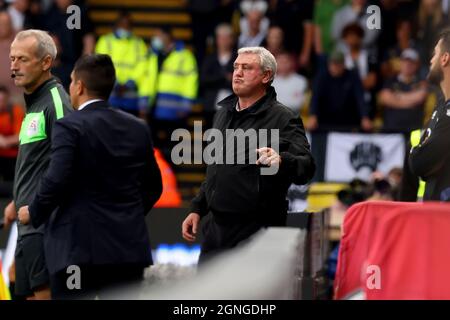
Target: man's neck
445 87
38 83
355 51
245 102
223 51
405 78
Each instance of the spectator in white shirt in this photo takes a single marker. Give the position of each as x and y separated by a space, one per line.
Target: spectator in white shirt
290 86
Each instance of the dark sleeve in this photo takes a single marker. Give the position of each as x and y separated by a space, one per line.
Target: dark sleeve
316 94
410 182
54 183
199 204
297 161
428 158
358 92
151 180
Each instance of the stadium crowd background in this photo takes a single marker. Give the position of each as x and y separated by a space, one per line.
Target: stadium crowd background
174 61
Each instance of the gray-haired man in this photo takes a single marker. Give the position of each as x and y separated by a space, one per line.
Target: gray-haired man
241 198
32 53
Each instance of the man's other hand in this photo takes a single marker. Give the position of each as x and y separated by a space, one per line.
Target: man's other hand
10 214
190 226
268 157
24 215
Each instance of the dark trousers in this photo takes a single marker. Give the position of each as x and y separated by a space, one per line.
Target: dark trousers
98 281
220 236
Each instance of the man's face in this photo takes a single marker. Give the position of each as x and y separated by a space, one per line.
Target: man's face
63 4
254 18
224 40
74 90
436 74
408 67
5 25
21 5
26 66
248 76
285 64
353 40
336 69
275 37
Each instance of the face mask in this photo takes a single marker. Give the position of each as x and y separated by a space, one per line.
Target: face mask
157 44
122 33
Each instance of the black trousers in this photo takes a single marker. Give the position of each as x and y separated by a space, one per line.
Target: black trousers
220 236
97 281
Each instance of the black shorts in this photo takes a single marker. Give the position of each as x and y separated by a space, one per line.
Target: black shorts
31 269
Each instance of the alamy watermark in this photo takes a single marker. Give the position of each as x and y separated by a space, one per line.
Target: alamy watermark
231 146
74 20
373 281
74 279
374 19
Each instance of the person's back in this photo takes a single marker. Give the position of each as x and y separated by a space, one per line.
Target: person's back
112 152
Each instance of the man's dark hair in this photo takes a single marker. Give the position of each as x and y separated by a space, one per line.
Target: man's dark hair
353 28
97 73
445 37
167 31
123 14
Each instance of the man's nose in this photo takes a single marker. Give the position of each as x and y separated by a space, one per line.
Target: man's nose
14 66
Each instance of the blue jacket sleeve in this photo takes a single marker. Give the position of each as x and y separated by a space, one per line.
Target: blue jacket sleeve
58 175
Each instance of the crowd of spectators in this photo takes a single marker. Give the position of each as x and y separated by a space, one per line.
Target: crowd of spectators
335 70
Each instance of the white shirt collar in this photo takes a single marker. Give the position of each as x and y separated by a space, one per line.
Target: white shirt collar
88 102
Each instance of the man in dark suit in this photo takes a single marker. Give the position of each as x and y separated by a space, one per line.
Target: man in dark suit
101 182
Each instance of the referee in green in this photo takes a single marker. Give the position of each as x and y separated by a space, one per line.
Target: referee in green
32 54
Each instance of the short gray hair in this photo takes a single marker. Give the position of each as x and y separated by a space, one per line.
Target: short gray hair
45 44
266 59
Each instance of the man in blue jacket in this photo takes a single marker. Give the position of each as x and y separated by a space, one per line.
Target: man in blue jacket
101 182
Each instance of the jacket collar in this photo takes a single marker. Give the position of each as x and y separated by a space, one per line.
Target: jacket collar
88 103
258 107
41 90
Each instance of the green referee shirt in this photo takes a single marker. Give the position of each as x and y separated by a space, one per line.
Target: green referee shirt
48 103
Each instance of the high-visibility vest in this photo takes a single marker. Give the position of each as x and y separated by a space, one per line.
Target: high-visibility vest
126 53
415 141
172 89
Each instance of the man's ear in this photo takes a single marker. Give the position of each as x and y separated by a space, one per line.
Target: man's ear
445 59
47 63
80 89
267 76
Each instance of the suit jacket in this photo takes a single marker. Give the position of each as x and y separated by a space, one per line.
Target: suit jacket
101 182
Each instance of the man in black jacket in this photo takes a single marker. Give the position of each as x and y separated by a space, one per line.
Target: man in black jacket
430 159
240 196
102 180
